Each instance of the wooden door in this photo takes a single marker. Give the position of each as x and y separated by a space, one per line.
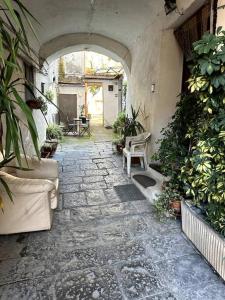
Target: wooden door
67 107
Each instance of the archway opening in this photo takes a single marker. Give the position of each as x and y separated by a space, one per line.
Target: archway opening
86 84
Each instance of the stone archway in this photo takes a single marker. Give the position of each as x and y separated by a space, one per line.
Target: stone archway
73 42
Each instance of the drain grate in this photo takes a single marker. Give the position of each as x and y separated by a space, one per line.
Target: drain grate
128 192
144 180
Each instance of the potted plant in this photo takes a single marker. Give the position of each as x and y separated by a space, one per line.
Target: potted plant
54 135
168 203
13 47
204 167
35 103
47 150
127 126
82 111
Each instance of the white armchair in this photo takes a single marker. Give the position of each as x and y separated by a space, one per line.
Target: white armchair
35 196
136 146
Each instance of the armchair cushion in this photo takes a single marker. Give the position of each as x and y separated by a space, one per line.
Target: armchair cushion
41 169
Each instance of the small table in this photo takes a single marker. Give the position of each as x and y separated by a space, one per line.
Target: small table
77 122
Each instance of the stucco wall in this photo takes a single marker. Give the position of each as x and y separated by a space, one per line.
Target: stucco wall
221 14
111 102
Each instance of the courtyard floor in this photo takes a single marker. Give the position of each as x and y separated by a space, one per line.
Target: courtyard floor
100 247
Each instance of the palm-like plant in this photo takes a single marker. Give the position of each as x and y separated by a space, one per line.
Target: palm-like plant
14 18
132 126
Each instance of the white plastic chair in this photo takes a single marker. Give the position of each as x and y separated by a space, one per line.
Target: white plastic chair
136 146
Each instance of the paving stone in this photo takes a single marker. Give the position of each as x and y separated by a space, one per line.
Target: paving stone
185 272
111 195
115 231
126 251
26 268
116 178
92 179
206 291
117 209
163 296
136 225
11 246
72 173
69 188
71 179
74 199
85 214
96 197
101 248
105 165
96 172
88 167
88 284
140 279
167 246
93 186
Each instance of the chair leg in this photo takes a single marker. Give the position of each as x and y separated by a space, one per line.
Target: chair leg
128 165
142 162
145 162
124 161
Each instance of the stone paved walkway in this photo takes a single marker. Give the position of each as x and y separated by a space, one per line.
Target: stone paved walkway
100 247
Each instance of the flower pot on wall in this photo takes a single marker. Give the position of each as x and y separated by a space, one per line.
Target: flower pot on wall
175 206
206 240
34 104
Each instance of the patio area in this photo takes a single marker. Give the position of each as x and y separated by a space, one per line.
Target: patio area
100 246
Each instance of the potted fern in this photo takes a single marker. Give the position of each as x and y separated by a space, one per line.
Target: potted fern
14 44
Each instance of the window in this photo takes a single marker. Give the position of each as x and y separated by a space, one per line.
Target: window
43 87
188 33
29 75
110 88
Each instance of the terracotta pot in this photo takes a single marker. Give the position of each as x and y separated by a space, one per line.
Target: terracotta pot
34 104
176 207
119 148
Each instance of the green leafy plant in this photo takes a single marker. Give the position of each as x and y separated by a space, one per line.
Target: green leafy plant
49 95
215 215
175 144
44 106
14 19
82 110
54 131
163 202
132 126
120 122
94 89
204 171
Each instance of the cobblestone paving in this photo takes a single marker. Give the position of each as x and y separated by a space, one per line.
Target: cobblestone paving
100 247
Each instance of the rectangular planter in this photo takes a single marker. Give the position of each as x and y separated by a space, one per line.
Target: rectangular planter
206 240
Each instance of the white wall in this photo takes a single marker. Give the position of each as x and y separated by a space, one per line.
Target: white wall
112 102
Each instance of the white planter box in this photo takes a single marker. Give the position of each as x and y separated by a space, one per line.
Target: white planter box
205 239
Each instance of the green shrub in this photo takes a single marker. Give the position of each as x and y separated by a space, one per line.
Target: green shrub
120 122
204 170
54 131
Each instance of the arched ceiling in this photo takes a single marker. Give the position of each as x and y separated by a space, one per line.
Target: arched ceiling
120 20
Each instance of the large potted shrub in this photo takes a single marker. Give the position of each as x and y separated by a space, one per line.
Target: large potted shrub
203 173
192 151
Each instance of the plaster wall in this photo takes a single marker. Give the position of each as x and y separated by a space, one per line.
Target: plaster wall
111 101
221 14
